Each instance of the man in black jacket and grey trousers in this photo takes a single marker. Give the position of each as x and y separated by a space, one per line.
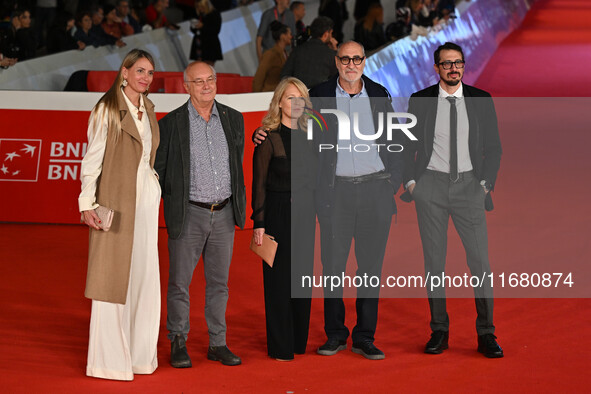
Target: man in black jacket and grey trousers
450 171
199 163
358 176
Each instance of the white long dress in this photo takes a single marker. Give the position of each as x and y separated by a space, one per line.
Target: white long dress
123 338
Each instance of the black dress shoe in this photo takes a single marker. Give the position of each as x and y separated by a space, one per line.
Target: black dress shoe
179 357
438 342
332 347
487 345
223 354
368 350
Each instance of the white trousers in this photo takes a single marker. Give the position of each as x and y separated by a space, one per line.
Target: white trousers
123 338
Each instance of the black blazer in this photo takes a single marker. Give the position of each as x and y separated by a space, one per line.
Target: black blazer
311 72
380 101
173 164
484 143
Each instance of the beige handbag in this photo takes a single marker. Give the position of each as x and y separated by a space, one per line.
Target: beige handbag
105 216
267 249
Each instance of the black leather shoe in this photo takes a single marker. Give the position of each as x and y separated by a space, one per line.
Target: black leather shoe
179 357
487 345
438 342
332 347
223 354
368 350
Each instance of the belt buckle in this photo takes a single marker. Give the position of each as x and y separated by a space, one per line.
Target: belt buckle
213 206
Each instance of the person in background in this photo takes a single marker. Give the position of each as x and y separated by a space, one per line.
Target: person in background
8 41
25 36
84 30
97 15
45 15
280 164
60 38
369 31
419 14
123 277
155 15
301 31
322 47
268 73
280 13
337 11
123 12
113 25
206 44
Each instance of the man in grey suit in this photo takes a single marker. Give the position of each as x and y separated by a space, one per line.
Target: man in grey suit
450 171
199 162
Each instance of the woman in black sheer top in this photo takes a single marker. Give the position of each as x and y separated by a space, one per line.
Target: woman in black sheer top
283 207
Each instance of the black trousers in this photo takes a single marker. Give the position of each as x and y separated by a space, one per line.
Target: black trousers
363 212
287 318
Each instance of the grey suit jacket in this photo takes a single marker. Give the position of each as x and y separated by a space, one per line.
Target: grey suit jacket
173 164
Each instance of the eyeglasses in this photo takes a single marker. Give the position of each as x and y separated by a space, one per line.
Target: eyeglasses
346 60
201 82
447 64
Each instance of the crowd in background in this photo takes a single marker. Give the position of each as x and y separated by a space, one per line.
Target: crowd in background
32 28
279 59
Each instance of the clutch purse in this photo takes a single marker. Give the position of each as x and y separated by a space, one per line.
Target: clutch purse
106 217
266 250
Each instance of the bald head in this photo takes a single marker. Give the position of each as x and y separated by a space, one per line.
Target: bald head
197 64
200 83
345 46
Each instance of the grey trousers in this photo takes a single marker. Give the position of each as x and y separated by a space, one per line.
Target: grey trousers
210 234
436 199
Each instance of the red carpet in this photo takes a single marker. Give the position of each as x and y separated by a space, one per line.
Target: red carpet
541 223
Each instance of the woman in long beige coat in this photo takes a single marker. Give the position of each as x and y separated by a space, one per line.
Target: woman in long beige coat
123 278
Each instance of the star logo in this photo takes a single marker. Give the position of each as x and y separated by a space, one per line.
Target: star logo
20 159
10 156
29 149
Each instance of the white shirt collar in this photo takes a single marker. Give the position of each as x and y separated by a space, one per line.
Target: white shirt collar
134 110
458 93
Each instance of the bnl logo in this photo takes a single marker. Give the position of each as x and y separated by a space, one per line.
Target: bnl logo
344 130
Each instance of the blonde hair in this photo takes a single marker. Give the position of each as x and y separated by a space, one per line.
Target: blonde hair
272 119
110 102
205 5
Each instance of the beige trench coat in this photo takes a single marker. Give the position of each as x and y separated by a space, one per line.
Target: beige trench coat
109 254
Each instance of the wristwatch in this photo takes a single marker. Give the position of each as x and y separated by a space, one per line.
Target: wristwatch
486 184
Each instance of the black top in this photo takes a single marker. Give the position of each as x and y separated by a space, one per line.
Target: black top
311 73
271 166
